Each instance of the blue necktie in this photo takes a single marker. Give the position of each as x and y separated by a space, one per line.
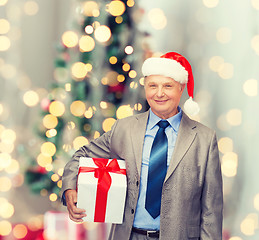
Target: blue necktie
157 170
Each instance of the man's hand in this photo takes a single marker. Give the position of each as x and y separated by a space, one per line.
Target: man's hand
75 214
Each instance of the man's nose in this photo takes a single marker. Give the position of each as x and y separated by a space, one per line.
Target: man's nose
160 92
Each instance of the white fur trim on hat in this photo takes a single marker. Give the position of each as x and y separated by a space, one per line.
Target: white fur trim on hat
190 107
165 67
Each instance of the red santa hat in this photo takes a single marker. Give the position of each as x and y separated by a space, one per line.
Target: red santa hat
176 66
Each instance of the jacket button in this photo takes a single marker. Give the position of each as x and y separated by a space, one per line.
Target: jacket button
132 211
137 183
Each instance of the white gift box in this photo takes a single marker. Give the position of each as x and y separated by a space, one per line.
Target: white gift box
93 177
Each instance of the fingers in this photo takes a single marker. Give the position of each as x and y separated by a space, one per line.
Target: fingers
75 214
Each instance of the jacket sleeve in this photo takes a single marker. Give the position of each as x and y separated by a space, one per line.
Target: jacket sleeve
212 196
98 148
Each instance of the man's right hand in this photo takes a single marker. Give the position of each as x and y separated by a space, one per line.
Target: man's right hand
75 214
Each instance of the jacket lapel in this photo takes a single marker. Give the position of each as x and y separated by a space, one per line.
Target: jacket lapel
184 140
138 130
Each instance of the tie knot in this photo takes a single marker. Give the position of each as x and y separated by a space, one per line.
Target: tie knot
163 124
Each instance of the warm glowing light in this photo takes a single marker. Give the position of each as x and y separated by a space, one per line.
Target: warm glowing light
91 9
35 223
8 71
48 149
138 107
50 121
249 224
235 238
133 74
226 71
129 50
5 160
111 78
224 35
51 133
234 117
116 8
5 226
210 3
96 134
86 44
124 111
53 197
31 8
250 87
13 167
113 60
77 108
8 136
255 44
70 39
89 29
54 177
80 142
157 18
57 108
119 19
225 145
126 67
6 209
120 78
89 113
102 33
43 160
59 183
141 81
89 67
255 4
130 3
4 43
229 164
79 70
133 85
108 123
5 184
20 231
256 201
4 26
68 87
215 63
2 3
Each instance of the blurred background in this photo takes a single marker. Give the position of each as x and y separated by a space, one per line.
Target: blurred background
70 68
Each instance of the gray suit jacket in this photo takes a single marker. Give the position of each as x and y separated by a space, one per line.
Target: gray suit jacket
192 198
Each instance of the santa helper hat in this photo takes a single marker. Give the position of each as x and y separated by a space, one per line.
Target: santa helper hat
175 66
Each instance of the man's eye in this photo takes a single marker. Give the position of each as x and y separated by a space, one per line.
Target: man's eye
168 86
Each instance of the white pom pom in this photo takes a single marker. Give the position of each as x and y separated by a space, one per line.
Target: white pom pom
190 107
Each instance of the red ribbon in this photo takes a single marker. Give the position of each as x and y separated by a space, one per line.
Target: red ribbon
104 183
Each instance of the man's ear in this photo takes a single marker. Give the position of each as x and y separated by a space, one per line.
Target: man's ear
182 87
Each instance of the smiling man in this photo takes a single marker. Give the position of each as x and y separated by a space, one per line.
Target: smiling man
172 162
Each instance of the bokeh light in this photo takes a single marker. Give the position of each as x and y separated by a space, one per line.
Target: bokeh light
157 18
70 39
31 8
31 98
4 26
3 2
79 70
107 124
210 3
53 197
225 144
20 231
124 111
226 71
250 87
50 121
57 108
48 149
4 43
86 44
44 160
229 164
255 4
102 33
224 35
5 228
116 8
256 201
80 142
6 209
234 117
249 224
91 9
78 108
5 184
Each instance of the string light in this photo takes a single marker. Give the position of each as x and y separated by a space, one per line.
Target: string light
102 33
77 108
70 39
86 44
4 43
4 26
250 87
116 8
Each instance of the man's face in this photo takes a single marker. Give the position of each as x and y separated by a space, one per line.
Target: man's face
163 95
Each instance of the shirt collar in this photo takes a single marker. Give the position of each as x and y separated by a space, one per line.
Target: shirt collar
174 121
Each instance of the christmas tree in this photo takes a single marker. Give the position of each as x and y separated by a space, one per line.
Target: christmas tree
96 82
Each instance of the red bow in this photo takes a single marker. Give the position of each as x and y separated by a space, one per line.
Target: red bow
104 183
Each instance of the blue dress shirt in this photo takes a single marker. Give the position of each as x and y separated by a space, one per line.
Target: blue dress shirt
142 218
